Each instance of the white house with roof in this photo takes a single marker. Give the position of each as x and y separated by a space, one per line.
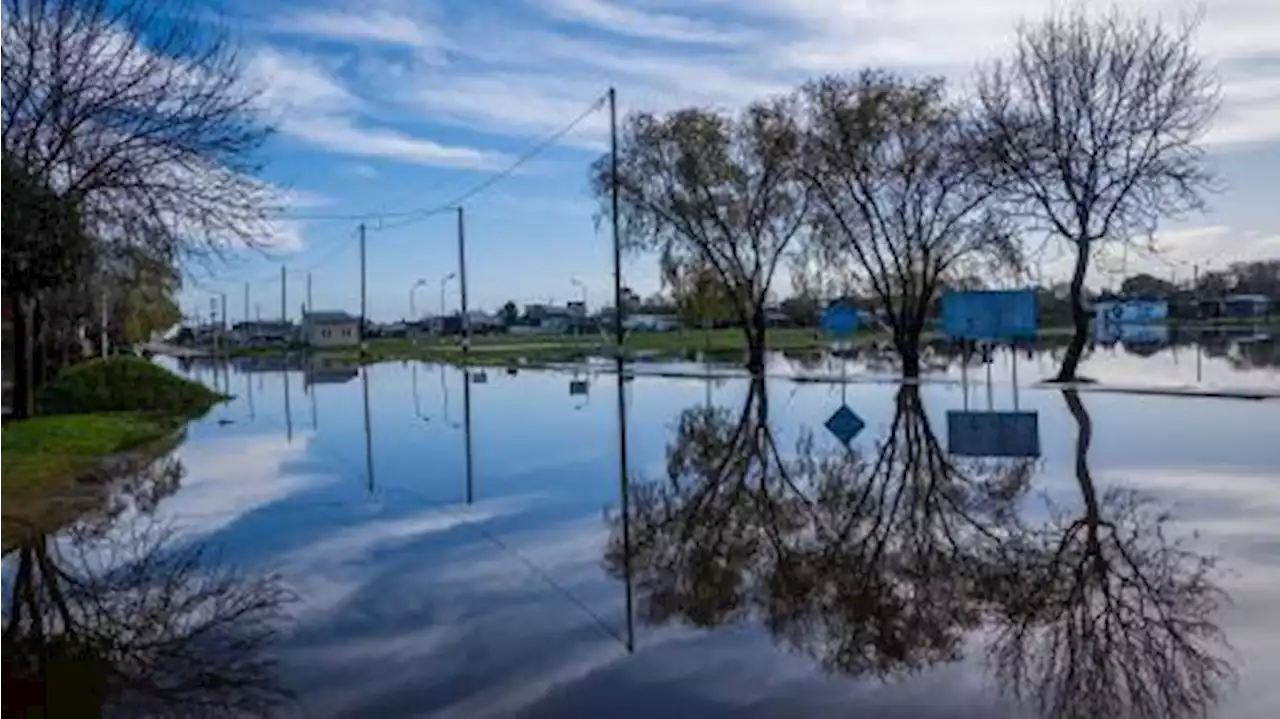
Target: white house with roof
330 329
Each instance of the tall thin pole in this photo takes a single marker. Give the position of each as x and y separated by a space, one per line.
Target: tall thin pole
462 281
613 217
363 303
624 482
246 302
284 307
310 308
222 326
368 431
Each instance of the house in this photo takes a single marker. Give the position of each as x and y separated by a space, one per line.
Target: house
260 333
330 329
650 323
1125 310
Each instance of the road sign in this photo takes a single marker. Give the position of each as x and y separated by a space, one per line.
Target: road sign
839 321
993 434
991 315
845 424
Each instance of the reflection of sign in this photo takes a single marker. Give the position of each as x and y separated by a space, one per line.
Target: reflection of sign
993 434
578 386
844 424
1142 334
479 378
840 321
990 315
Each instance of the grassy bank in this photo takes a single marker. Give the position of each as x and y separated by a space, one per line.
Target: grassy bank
89 412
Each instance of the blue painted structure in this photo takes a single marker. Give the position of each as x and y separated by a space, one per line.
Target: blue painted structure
839 321
993 434
991 315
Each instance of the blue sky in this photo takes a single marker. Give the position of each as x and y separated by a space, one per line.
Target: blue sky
393 105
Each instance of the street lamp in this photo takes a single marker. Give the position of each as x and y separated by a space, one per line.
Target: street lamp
577 283
413 309
443 281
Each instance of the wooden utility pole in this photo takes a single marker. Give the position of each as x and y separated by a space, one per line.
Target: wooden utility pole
363 298
462 282
624 475
246 302
310 307
284 308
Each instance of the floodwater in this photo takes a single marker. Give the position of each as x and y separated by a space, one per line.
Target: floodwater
413 539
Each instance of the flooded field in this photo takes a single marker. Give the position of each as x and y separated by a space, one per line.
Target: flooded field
416 539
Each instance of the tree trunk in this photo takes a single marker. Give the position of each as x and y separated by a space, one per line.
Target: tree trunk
756 342
1079 317
906 342
23 399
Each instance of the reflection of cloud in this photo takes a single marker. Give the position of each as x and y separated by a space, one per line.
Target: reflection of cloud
232 477
332 569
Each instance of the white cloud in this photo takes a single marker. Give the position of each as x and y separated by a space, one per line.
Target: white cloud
618 18
378 26
312 105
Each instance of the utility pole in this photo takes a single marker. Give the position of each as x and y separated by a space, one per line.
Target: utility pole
363 302
613 216
284 308
310 308
462 282
246 302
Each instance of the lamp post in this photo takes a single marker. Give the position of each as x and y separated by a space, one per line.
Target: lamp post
577 283
444 281
413 307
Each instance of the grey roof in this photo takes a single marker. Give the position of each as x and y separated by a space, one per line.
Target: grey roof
329 317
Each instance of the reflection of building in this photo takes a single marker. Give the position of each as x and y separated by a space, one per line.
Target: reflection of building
1238 306
330 329
650 323
329 370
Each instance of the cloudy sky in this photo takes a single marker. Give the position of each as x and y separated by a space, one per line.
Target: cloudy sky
392 106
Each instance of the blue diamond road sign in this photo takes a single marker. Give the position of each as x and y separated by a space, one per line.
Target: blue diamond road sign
845 425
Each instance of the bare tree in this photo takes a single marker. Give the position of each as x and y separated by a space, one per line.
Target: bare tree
705 189
1092 125
898 195
137 119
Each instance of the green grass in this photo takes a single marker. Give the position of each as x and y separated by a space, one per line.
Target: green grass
57 448
124 384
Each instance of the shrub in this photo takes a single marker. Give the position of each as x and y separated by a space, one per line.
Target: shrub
124 384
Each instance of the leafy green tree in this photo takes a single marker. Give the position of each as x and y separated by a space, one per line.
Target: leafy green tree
708 190
510 314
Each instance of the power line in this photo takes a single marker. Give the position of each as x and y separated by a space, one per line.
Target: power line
411 216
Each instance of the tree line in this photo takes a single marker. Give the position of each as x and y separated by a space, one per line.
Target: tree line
130 146
892 187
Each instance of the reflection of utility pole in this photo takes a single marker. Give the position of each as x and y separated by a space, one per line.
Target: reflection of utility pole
248 389
466 432
288 412
368 433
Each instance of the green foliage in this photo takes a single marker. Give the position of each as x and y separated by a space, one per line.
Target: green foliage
124 384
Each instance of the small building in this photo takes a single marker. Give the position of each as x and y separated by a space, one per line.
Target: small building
264 333
1120 310
1246 305
330 329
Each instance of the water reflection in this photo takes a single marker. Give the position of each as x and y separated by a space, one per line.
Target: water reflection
117 615
883 562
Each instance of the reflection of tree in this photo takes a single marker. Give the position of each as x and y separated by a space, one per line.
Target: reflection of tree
1100 613
853 561
113 613
885 562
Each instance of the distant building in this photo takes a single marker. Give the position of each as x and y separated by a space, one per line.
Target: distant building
650 323
270 332
330 329
1130 311
1246 305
